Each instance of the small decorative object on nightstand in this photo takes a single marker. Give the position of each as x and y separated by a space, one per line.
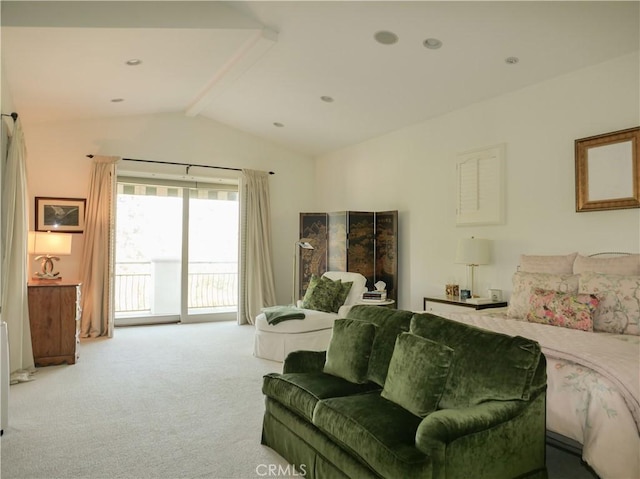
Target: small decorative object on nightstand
443 304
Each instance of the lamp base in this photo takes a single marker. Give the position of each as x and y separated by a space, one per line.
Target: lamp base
46 277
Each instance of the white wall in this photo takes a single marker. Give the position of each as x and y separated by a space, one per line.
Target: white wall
57 167
413 170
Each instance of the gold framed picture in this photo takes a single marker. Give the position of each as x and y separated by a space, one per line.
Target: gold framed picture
65 215
607 171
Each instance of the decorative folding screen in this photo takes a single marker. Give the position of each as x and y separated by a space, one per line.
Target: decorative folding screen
356 241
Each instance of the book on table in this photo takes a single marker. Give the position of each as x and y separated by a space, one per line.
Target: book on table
374 296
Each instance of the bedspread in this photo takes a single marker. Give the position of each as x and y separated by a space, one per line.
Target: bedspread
593 393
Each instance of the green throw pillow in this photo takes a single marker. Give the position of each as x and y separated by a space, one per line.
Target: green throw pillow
418 373
349 350
341 297
322 294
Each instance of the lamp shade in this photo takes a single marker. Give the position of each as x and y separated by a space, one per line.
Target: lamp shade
58 244
473 251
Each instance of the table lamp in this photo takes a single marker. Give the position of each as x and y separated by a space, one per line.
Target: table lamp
48 246
473 252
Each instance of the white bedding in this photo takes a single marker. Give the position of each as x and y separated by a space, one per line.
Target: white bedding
593 389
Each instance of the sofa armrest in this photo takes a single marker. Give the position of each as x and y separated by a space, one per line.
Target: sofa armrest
446 425
304 362
344 309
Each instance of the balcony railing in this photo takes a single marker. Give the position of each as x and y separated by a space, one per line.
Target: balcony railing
210 285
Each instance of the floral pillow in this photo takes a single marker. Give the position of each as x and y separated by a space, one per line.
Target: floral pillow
525 283
573 311
619 309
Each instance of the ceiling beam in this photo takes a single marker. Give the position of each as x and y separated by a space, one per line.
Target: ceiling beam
242 60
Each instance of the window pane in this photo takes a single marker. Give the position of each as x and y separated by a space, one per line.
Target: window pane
213 251
148 250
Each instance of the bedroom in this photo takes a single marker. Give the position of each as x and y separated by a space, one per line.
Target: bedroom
410 169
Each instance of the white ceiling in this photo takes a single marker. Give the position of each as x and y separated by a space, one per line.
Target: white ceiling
250 64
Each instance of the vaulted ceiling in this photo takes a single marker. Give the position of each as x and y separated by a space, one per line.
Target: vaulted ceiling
264 67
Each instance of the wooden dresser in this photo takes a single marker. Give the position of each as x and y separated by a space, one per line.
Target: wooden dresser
54 314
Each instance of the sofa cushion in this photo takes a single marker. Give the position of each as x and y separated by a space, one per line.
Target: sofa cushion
486 365
349 350
343 293
390 322
377 431
300 392
418 373
313 321
322 294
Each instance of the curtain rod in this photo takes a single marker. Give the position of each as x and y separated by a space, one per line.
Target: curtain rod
183 164
13 115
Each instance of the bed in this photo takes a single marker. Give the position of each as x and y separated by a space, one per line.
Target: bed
593 358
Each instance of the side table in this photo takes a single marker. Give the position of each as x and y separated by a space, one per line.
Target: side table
386 302
435 304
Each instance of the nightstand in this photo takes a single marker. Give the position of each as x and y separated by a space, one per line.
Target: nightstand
443 304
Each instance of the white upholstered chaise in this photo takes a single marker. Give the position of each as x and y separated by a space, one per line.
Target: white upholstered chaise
312 333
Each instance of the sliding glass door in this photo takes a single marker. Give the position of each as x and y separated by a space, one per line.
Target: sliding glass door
176 251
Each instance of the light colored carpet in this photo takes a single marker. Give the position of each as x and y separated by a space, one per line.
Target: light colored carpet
171 401
161 402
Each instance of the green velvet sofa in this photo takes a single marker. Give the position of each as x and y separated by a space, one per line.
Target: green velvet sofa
436 399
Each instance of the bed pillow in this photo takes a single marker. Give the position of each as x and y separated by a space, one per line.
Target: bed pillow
552 264
525 283
419 387
322 294
349 350
625 265
573 311
619 307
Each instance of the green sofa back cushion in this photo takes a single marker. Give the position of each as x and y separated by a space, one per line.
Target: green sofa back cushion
486 365
417 374
323 294
390 322
349 350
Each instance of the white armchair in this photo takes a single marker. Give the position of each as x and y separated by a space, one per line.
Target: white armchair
313 333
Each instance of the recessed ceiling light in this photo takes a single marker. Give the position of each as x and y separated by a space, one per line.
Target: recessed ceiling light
277 124
326 99
133 62
385 37
511 60
432 43
117 100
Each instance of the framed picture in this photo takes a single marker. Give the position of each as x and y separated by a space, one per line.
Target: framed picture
60 214
607 171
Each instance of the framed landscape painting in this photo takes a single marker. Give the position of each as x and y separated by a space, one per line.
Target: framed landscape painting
65 215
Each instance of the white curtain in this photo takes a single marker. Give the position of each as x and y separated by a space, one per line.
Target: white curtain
15 226
97 257
257 287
